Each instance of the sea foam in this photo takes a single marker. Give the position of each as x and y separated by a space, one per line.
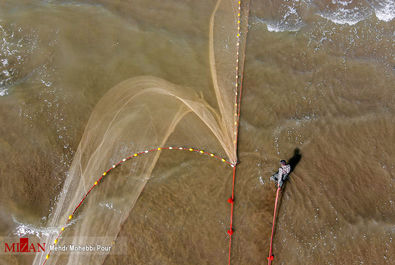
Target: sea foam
290 21
385 11
24 229
349 16
3 92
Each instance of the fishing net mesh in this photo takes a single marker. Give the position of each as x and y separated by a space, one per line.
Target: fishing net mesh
140 114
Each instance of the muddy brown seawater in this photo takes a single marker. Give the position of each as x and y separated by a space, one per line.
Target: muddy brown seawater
319 78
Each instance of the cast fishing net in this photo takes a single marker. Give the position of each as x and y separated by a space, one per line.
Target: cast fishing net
145 113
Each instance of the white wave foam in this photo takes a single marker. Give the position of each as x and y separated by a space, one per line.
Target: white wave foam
342 2
349 16
279 27
3 92
285 24
286 18
4 62
28 229
385 11
110 206
261 180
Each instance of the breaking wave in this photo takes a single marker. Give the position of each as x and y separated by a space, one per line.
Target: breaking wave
288 16
347 16
385 11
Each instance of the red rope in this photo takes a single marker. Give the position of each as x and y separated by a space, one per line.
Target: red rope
240 71
270 258
231 200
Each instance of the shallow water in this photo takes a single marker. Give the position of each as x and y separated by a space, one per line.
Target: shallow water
318 76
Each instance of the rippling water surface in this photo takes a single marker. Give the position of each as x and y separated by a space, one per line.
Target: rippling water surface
319 78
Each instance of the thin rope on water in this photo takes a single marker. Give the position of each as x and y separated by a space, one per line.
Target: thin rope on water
271 257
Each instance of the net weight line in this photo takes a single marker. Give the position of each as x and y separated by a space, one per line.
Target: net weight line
135 155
